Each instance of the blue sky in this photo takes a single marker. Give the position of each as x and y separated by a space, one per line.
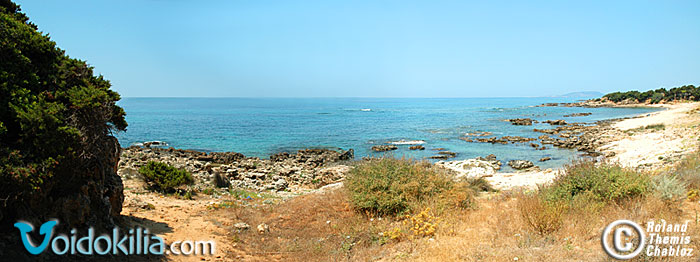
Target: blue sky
262 48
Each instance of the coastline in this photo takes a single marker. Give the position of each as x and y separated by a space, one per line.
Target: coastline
619 140
674 133
316 174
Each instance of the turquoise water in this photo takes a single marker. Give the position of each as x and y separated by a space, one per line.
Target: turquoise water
262 126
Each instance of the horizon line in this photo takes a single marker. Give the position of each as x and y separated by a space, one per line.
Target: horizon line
339 97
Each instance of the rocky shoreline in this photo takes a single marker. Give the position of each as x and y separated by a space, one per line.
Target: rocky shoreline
315 168
305 169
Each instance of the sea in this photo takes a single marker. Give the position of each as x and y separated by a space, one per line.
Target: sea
259 127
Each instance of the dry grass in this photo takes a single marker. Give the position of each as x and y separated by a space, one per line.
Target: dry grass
315 227
542 216
496 231
501 226
688 170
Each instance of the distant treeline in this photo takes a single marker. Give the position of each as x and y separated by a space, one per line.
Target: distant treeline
687 92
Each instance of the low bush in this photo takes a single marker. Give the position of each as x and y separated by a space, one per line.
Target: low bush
650 128
389 186
542 216
668 187
605 182
688 170
584 186
163 177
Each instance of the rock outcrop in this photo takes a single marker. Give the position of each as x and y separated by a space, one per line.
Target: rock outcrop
491 159
382 148
520 164
557 122
416 147
520 121
309 168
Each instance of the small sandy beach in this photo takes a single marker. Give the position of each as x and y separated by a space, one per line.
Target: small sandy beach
646 142
637 146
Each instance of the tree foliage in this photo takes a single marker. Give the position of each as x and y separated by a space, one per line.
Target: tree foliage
54 112
686 92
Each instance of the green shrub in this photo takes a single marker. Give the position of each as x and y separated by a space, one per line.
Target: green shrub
583 187
668 187
390 186
605 182
164 177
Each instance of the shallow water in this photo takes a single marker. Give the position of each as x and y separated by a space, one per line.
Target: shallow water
262 126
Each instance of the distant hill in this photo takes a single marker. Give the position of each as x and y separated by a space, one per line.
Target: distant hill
583 94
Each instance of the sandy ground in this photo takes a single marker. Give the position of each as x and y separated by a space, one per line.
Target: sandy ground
176 219
526 179
638 147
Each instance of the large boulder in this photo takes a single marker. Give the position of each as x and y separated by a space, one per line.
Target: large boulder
491 158
520 164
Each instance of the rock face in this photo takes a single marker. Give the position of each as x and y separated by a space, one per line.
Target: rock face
309 168
92 200
520 121
520 164
382 148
